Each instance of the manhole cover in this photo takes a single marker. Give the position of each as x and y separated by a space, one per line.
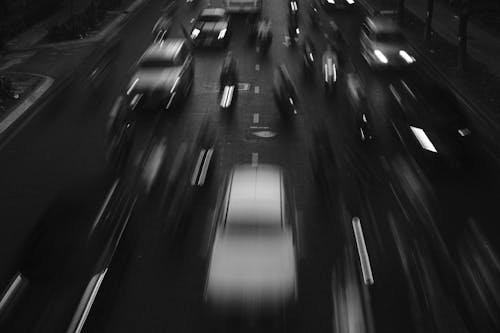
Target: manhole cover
265 134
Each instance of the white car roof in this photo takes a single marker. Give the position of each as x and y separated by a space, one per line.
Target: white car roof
255 196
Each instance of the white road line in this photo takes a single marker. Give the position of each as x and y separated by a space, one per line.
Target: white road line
408 89
257 67
11 290
106 201
255 118
255 159
256 89
363 253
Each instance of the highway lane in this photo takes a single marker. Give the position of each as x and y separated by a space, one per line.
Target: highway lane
146 282
61 148
155 285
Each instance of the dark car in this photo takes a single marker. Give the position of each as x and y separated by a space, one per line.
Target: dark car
337 4
164 75
356 95
62 258
211 28
285 92
383 44
430 127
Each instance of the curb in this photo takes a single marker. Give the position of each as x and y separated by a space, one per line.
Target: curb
470 107
26 104
126 14
50 86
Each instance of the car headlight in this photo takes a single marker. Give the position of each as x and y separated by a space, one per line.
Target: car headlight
222 33
331 1
350 2
297 31
380 56
294 6
408 58
195 33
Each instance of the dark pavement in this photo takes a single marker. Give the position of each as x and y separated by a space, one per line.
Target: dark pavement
415 224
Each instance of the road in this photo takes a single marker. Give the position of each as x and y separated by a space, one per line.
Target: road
421 231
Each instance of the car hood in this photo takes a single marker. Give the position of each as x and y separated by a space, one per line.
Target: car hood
148 80
391 50
252 270
210 27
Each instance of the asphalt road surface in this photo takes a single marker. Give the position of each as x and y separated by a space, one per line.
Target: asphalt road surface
421 230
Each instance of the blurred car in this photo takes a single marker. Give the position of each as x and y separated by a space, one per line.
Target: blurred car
285 93
323 162
430 126
120 133
164 75
330 69
356 95
252 265
337 4
211 28
161 28
153 162
244 6
63 254
383 44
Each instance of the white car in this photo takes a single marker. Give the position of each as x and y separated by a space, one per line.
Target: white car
164 75
253 258
383 44
244 6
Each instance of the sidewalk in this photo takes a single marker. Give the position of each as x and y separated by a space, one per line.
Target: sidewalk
476 87
52 66
482 46
39 31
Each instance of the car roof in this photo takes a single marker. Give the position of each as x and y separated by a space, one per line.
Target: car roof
168 49
382 24
255 196
213 12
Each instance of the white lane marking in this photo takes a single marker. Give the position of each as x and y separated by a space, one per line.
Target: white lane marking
257 67
98 277
204 169
10 291
197 167
255 159
192 20
362 252
255 118
243 86
132 86
256 89
408 89
108 197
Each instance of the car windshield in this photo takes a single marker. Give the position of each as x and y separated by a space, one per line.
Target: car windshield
158 63
249 228
211 18
390 37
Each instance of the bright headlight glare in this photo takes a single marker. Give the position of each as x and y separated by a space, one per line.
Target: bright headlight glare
331 1
409 59
222 33
380 56
350 2
195 33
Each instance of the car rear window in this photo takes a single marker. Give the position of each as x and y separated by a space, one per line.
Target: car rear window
158 63
390 37
211 18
